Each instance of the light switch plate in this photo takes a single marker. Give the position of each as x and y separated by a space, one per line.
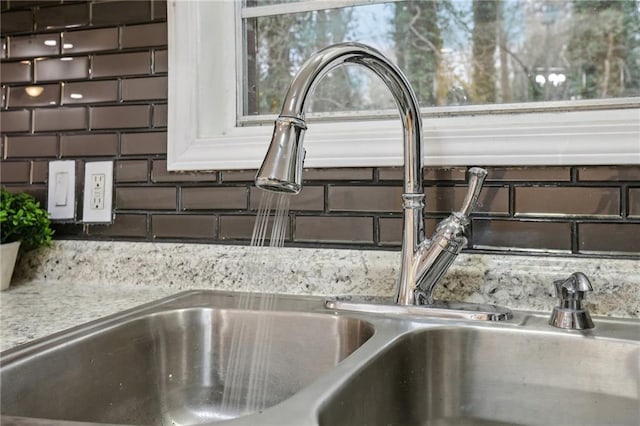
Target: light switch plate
61 199
98 192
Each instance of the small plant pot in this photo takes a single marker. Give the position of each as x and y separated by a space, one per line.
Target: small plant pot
8 256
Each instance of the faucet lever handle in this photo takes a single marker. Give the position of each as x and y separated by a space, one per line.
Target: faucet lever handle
476 179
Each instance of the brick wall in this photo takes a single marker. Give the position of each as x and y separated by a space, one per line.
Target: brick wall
103 70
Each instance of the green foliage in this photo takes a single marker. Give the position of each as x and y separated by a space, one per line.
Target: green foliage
280 44
22 219
418 42
604 48
453 52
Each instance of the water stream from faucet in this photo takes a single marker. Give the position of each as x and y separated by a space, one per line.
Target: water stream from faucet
247 375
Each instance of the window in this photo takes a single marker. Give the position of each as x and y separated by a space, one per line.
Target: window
499 82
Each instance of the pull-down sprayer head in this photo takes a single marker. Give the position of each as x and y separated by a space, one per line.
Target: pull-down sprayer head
281 169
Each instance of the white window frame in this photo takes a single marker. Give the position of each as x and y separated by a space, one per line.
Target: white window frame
204 131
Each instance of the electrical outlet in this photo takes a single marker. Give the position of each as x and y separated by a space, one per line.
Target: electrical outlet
98 192
97 181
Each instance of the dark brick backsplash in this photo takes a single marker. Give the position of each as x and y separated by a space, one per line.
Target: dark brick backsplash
103 72
215 198
160 115
119 117
634 203
34 45
183 226
15 172
146 198
136 89
238 176
19 96
121 12
124 225
608 237
52 119
510 234
310 198
240 228
31 146
90 92
39 171
143 143
72 15
444 199
15 72
563 201
144 35
160 61
13 22
15 121
121 64
159 9
530 174
609 173
85 41
127 171
390 230
57 69
334 229
365 198
89 145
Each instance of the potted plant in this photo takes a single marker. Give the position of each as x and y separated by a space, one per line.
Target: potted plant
24 226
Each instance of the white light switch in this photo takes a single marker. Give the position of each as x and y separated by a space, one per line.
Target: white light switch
62 184
98 192
61 188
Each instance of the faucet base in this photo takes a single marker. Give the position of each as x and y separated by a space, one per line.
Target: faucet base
571 319
450 310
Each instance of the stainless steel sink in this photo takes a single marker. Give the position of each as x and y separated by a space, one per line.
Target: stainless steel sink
169 362
485 376
178 365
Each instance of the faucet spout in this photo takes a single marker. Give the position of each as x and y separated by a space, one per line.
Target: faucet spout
285 152
281 169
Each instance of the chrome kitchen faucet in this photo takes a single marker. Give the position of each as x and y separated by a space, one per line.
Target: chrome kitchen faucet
424 261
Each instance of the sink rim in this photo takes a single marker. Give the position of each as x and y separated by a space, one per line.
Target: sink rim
305 406
176 301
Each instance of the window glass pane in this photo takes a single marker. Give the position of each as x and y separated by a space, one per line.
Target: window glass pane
454 52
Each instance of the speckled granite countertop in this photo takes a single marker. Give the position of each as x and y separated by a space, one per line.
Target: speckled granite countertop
74 282
38 308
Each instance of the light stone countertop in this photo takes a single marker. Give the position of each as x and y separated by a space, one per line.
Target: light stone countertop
74 282
37 309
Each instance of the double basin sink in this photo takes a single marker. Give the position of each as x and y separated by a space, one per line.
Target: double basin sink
204 357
